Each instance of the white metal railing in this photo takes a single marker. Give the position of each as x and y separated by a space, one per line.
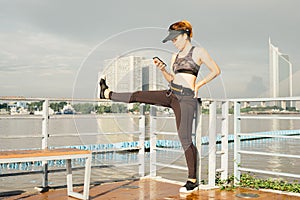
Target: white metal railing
45 135
238 163
218 111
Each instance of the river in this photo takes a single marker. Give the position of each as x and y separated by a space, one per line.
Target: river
82 125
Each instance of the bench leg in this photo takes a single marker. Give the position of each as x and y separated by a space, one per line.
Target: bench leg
69 176
87 177
45 175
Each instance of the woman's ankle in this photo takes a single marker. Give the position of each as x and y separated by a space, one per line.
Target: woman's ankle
193 180
107 94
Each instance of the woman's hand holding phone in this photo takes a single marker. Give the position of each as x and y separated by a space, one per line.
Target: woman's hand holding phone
159 63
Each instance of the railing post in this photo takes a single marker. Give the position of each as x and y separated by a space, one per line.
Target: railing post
152 141
142 146
45 126
212 144
237 141
224 156
198 135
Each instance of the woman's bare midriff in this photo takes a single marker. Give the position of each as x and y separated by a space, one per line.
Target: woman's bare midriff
184 79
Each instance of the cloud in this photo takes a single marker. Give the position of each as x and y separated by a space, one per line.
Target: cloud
27 50
51 38
33 61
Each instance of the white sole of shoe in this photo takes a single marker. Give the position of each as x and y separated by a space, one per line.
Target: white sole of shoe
183 190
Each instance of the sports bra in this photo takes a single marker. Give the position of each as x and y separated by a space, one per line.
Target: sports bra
186 64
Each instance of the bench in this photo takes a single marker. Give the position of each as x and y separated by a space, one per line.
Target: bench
67 154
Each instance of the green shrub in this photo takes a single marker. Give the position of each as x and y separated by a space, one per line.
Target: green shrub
250 181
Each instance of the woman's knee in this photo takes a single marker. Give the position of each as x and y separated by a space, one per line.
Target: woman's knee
134 96
186 143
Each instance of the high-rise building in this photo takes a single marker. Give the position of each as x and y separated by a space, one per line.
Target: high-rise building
132 73
281 77
124 74
152 76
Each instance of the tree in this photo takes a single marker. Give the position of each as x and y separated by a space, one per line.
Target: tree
35 106
119 108
3 106
57 106
85 108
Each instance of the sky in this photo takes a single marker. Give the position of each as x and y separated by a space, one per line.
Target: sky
55 48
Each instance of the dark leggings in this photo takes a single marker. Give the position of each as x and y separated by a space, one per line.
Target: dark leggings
184 108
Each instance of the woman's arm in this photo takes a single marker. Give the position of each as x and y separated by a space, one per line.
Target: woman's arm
204 57
167 75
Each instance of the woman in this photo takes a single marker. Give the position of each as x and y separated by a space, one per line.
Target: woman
183 92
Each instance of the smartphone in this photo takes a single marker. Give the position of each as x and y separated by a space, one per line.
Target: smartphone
160 60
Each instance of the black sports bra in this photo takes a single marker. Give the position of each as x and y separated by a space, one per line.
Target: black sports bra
186 64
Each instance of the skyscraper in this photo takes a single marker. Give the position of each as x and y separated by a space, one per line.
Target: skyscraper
124 74
152 76
281 77
132 73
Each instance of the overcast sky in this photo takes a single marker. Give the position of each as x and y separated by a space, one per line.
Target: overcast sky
54 48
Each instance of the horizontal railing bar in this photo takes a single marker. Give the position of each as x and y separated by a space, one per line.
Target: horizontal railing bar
170 166
269 172
13 117
20 98
268 117
116 150
117 133
264 99
269 136
165 133
169 149
164 117
252 99
94 134
170 133
19 136
96 116
68 134
268 154
216 100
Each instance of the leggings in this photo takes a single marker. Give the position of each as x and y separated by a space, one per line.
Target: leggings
184 108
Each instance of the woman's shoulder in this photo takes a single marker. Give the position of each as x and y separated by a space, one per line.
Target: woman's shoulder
198 53
199 50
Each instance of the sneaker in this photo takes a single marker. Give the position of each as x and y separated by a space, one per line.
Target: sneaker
189 187
103 87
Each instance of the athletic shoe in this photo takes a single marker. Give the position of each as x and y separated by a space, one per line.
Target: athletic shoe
188 187
103 87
